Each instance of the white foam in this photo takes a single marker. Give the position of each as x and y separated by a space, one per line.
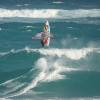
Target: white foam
4 99
7 82
13 51
29 30
41 75
57 2
18 5
50 13
70 27
26 4
50 70
57 70
12 85
46 74
9 52
74 54
6 53
43 67
28 26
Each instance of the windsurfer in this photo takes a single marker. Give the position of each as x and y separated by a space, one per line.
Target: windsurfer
44 37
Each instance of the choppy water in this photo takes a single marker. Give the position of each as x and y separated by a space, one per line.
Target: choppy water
68 69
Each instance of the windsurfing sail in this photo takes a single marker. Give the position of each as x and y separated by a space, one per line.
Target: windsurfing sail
48 27
38 35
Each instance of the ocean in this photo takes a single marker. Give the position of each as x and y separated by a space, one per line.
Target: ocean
69 69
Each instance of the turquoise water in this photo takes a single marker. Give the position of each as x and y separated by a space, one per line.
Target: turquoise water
68 69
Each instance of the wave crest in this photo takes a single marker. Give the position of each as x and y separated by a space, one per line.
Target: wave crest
50 13
74 54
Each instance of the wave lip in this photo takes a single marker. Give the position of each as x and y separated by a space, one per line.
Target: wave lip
50 13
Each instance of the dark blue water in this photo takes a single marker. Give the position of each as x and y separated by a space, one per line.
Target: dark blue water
69 69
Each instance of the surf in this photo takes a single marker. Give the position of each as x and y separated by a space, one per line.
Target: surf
50 66
49 13
74 54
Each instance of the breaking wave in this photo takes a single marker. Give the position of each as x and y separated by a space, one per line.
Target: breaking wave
50 13
46 69
74 54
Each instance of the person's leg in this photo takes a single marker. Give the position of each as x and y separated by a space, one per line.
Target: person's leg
42 43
